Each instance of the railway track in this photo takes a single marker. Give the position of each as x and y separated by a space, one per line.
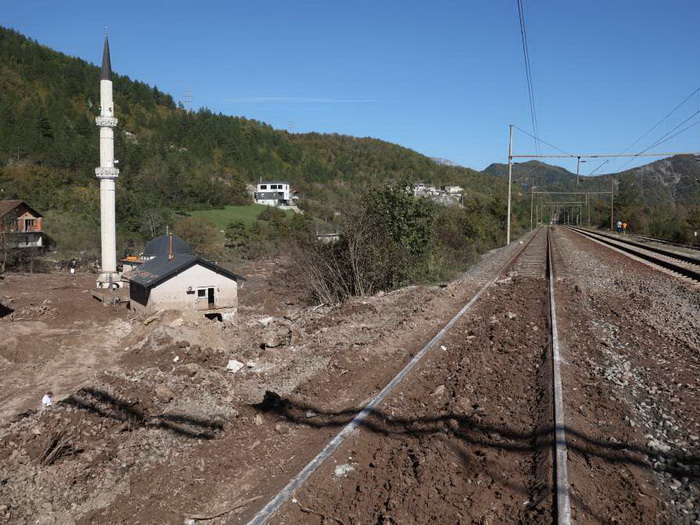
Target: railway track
644 238
439 441
685 265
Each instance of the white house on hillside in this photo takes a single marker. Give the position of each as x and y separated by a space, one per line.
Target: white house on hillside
273 193
452 190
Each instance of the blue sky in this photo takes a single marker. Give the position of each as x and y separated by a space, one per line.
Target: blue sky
445 78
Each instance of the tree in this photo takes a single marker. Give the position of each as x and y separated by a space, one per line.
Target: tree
199 233
237 235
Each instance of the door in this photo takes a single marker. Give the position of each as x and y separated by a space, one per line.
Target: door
211 303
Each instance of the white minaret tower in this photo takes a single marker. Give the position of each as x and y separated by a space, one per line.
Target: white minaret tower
107 174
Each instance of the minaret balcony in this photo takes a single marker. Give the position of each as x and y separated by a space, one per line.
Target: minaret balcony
109 122
107 173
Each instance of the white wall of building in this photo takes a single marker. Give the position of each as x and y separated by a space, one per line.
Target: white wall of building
272 193
189 290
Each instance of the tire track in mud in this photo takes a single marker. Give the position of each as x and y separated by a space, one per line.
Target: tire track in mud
466 437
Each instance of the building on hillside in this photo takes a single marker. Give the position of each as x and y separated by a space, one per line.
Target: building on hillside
170 277
452 190
20 225
274 193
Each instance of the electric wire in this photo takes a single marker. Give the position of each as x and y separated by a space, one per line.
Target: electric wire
599 166
665 137
528 72
661 121
545 142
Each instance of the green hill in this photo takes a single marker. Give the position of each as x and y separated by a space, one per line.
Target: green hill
170 160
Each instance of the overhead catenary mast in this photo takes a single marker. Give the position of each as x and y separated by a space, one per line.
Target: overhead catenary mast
107 174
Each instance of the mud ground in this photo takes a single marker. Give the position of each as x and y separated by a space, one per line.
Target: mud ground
150 423
151 427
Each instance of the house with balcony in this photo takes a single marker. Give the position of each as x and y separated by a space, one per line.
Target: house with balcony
20 225
274 193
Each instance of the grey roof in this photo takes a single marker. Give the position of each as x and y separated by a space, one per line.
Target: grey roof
161 268
161 246
106 73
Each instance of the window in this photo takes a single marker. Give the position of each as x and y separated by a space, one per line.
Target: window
263 186
206 298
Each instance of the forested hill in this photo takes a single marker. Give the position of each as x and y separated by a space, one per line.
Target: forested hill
661 198
670 182
168 157
547 177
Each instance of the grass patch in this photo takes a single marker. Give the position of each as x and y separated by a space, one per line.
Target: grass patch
223 217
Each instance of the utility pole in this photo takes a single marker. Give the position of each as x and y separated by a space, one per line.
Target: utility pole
588 206
510 180
612 200
578 167
532 205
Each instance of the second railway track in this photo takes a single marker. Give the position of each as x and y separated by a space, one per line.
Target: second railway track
670 259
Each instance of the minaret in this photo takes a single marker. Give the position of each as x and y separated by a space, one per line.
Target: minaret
107 174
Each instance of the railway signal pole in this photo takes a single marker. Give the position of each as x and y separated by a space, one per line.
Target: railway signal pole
510 182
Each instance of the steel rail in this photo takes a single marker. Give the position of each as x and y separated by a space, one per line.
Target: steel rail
694 247
674 255
298 481
561 471
630 248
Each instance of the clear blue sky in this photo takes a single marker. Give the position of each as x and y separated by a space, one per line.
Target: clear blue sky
445 78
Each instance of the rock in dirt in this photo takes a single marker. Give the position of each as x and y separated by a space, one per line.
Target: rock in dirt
281 428
234 365
439 391
276 336
190 369
657 445
152 318
164 394
343 470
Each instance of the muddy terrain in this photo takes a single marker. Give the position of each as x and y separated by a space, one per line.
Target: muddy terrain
151 426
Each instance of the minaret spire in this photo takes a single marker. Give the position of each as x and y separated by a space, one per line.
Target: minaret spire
107 174
106 73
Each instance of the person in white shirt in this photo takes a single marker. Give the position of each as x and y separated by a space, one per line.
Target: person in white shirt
47 400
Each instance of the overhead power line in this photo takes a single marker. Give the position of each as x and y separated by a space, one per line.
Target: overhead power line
599 166
666 138
528 71
669 134
661 121
538 140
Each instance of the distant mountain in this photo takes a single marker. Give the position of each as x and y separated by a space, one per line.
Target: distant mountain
660 199
671 182
547 177
445 162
